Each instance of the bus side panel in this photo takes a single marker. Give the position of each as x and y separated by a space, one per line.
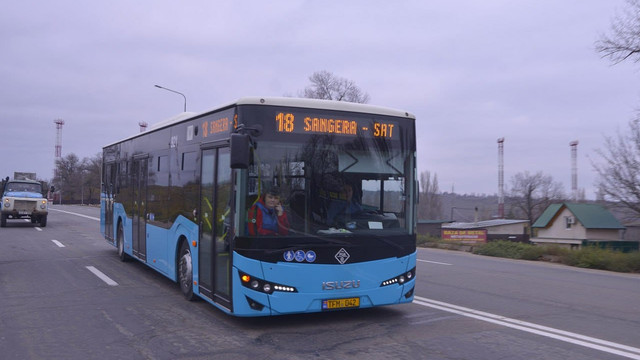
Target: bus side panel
361 280
158 249
163 247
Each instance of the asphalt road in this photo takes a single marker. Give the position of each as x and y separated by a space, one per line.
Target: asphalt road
64 294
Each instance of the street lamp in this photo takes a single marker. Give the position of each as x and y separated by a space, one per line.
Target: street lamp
177 92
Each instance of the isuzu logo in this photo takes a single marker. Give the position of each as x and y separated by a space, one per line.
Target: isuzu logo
337 285
342 256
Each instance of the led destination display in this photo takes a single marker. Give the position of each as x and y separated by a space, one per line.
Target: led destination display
309 124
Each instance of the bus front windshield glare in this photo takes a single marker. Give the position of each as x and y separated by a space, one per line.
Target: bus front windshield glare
323 186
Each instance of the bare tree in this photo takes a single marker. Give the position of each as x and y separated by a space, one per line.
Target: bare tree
67 179
619 172
430 206
91 170
624 41
327 86
532 193
78 180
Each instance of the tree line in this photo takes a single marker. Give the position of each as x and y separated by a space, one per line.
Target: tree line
77 181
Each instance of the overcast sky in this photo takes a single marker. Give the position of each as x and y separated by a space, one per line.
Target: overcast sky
471 72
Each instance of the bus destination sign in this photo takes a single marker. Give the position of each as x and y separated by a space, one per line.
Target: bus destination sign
308 124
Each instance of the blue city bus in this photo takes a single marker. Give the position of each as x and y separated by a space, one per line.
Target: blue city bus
178 198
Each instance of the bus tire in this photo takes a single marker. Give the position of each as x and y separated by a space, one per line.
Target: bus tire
120 243
43 221
3 220
185 271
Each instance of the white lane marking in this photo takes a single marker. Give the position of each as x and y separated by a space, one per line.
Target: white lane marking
434 262
37 228
76 214
102 276
58 243
573 338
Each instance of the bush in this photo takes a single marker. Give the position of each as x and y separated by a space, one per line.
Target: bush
595 258
424 240
506 249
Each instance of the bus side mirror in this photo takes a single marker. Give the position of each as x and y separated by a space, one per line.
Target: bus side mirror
53 189
240 152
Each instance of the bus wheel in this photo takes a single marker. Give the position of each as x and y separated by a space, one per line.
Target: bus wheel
185 272
43 221
3 220
120 239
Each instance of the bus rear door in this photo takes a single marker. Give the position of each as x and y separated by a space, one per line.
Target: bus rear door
139 219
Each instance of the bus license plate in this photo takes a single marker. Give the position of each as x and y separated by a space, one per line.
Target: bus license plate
334 304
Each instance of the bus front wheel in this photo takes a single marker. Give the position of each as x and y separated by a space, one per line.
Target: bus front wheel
185 271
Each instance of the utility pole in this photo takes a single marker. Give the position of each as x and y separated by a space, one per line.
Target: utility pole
501 178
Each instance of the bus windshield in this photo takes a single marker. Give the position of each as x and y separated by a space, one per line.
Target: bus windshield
331 184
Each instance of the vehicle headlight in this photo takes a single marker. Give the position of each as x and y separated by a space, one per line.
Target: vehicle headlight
400 279
43 205
264 286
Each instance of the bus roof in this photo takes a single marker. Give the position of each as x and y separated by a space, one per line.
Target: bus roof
280 101
324 104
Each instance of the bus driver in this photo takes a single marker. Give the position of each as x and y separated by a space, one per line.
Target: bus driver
267 216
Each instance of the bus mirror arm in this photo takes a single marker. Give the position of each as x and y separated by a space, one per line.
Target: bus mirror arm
255 130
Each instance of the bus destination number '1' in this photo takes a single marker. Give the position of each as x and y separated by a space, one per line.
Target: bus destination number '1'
285 123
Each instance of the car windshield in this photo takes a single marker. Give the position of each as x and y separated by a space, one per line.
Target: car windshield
20 187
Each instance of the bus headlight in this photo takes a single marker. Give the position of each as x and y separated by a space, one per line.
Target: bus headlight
400 279
266 287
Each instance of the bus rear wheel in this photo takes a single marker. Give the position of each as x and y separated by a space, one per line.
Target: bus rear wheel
120 239
185 272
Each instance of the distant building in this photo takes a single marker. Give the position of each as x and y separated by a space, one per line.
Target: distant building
487 230
430 227
575 225
632 231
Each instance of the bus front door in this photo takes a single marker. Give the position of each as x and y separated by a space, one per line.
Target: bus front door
139 220
215 222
